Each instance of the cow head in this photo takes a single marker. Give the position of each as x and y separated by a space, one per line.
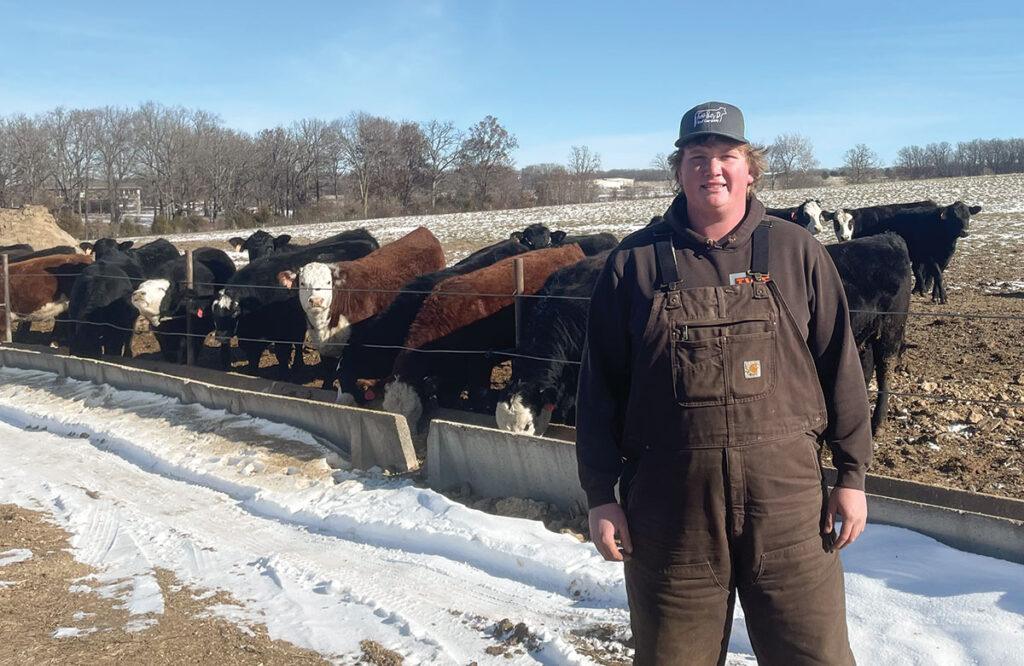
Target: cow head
809 216
842 222
226 310
260 244
522 413
957 216
402 399
536 236
148 298
105 246
316 287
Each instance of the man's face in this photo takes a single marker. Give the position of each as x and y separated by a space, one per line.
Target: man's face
714 176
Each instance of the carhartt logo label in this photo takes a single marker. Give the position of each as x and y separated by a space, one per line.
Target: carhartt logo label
751 369
707 116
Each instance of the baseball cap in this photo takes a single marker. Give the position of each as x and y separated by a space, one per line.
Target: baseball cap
711 118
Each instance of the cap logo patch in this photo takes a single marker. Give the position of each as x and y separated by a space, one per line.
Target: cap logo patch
707 116
751 369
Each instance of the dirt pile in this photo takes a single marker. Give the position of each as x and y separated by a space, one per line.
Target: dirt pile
33 225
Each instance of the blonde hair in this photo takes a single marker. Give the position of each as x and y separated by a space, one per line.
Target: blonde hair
757 160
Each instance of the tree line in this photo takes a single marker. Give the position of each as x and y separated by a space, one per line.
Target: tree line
791 161
191 169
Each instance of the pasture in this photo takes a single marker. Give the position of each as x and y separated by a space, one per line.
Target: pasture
958 396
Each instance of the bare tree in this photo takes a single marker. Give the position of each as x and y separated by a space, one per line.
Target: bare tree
660 162
441 153
789 154
582 167
550 184
861 162
116 150
486 153
32 160
361 146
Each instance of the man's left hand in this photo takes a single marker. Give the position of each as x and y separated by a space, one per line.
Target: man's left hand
852 507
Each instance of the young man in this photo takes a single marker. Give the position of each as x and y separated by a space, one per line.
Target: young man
719 358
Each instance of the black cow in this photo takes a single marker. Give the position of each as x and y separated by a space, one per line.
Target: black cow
48 252
591 244
374 343
100 313
876 276
260 244
535 236
256 309
166 303
808 215
15 251
542 389
929 230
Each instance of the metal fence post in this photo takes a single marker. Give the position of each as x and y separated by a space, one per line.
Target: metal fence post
8 338
189 278
520 278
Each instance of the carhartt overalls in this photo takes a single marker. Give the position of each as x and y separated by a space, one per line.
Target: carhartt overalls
723 488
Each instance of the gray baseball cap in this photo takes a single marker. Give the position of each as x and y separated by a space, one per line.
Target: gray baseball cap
711 118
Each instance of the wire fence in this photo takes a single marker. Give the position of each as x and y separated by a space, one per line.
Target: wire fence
503 353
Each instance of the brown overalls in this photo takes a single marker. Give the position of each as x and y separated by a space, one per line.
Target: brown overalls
733 501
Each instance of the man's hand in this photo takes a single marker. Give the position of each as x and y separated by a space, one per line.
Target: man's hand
607 521
849 504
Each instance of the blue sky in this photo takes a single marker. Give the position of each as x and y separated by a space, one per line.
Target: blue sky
613 76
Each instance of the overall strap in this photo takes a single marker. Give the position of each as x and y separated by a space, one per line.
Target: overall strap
760 252
665 256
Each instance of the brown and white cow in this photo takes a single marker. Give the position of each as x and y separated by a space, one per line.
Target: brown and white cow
337 296
466 313
41 287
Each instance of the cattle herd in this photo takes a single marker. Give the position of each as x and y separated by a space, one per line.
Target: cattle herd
394 321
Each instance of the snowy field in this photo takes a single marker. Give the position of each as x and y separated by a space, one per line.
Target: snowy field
1001 198
327 556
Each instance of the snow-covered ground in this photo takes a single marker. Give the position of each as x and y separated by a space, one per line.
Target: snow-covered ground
327 556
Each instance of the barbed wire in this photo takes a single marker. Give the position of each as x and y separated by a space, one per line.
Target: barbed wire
510 354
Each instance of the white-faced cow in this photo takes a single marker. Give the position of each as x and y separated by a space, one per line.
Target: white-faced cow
167 304
808 215
545 371
472 312
256 309
336 297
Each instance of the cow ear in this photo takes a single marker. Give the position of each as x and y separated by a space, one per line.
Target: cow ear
236 243
974 210
516 236
286 279
792 216
557 237
281 241
125 245
87 247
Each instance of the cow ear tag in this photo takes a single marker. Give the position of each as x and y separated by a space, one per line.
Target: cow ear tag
369 394
549 407
199 313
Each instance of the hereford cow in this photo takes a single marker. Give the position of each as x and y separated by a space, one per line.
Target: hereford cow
546 369
41 289
337 296
471 312
255 308
374 344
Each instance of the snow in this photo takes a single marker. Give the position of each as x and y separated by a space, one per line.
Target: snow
326 555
